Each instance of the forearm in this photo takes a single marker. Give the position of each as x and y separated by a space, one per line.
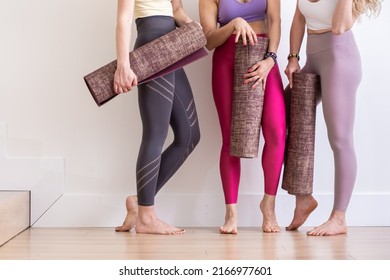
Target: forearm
123 35
125 12
218 36
179 14
297 32
343 18
208 13
273 33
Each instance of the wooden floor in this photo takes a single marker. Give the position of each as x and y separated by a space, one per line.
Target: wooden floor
363 243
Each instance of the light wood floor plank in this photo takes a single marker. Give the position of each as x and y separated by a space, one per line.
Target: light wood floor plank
363 243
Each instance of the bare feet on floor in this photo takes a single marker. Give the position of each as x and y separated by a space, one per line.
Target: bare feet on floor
305 204
267 207
148 223
156 226
132 213
334 226
231 220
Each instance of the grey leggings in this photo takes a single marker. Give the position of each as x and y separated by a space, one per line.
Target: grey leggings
336 59
163 102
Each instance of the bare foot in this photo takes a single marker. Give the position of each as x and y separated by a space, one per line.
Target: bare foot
156 226
231 218
148 223
131 217
267 207
305 204
334 226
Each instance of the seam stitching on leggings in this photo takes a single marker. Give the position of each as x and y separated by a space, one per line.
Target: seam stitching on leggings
148 164
188 143
146 174
168 82
149 86
163 87
140 188
189 105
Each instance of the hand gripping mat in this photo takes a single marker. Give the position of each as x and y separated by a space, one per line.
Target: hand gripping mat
154 59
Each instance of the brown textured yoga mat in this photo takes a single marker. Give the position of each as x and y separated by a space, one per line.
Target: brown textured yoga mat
247 103
299 156
154 59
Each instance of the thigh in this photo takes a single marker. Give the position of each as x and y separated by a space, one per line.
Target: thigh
274 112
184 110
155 100
222 85
340 77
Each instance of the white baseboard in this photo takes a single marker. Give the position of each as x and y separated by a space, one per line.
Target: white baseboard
207 210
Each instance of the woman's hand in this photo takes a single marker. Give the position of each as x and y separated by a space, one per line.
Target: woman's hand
124 79
258 73
292 66
244 30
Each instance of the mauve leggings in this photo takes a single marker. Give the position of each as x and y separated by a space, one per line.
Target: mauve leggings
273 123
336 59
163 102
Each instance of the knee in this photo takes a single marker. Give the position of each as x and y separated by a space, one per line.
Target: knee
341 142
188 138
155 136
276 137
194 138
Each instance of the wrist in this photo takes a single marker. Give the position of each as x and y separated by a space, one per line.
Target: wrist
293 56
123 63
271 55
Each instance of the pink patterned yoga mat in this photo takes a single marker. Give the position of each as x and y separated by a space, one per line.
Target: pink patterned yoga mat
154 59
247 103
301 121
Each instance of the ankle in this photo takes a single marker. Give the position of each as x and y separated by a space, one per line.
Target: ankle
338 217
268 202
146 214
231 212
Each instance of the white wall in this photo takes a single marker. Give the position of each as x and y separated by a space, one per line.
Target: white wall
47 46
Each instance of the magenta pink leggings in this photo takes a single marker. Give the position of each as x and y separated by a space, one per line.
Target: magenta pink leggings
273 123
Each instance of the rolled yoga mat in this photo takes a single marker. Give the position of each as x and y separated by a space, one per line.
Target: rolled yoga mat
154 59
299 155
247 103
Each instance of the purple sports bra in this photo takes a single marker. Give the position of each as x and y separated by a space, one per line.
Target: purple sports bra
254 10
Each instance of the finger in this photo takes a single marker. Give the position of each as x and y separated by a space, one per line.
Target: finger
254 36
116 88
238 34
250 74
290 79
254 80
256 84
254 67
244 38
251 39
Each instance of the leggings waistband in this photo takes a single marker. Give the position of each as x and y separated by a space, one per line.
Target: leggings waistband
150 28
320 42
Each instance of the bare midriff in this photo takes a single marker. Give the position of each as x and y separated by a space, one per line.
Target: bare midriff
259 27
